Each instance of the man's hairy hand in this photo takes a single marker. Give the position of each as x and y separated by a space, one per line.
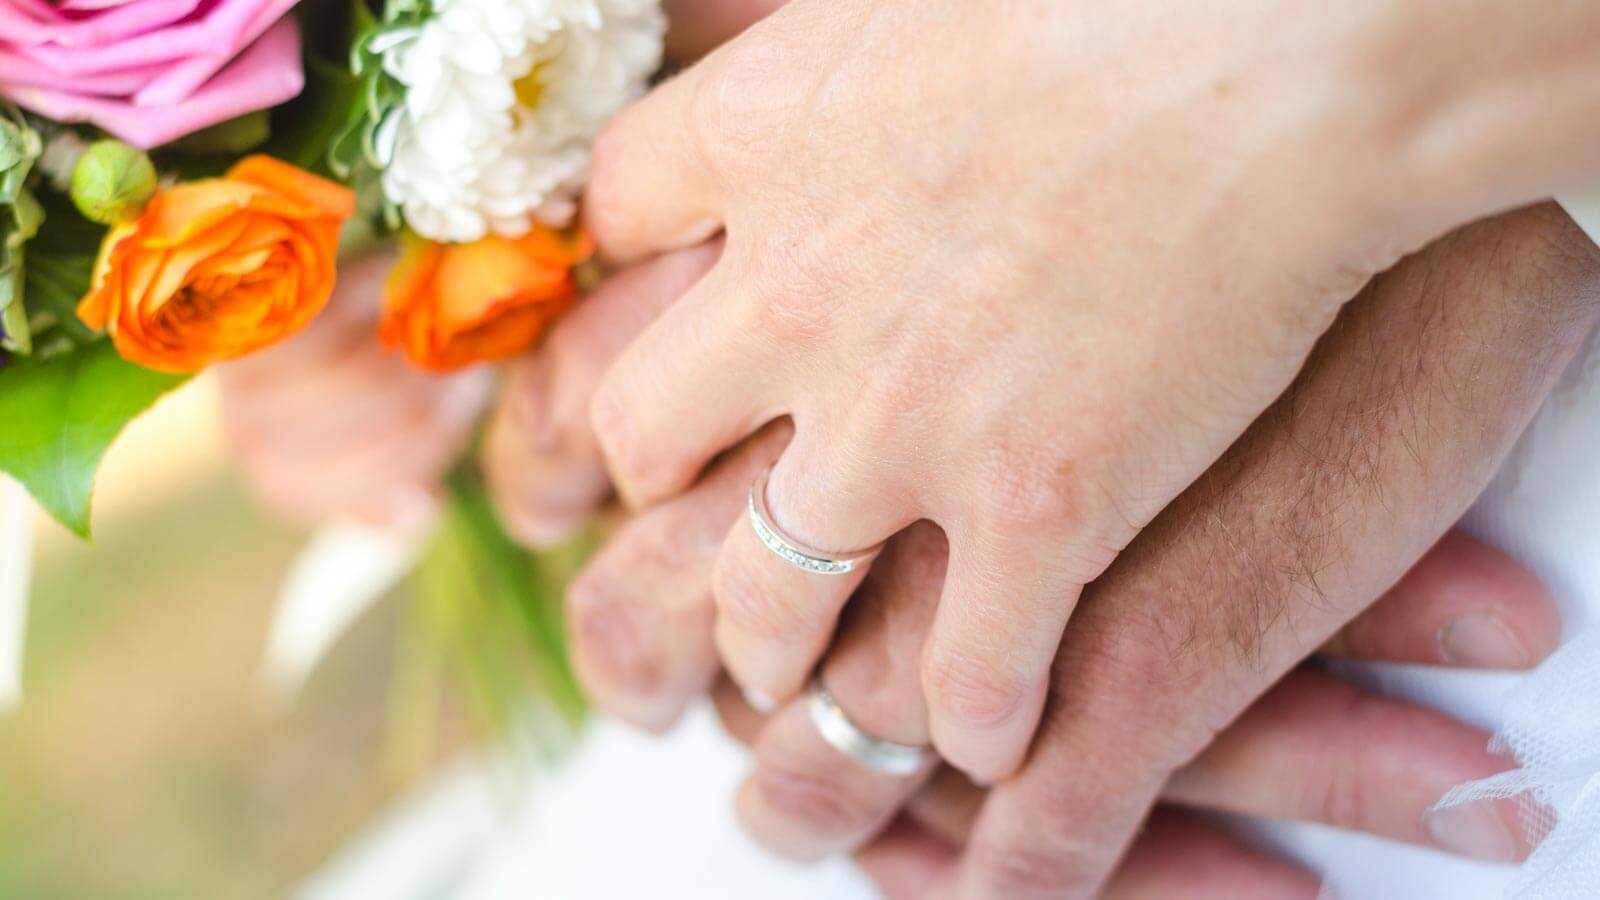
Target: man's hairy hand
1398 420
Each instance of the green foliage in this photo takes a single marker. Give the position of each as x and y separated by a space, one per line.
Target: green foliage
60 266
490 614
20 218
61 408
59 415
304 128
234 137
19 222
211 152
362 146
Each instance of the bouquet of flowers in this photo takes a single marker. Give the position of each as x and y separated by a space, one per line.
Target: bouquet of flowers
178 177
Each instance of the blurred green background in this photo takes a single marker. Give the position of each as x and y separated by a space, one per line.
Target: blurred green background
145 761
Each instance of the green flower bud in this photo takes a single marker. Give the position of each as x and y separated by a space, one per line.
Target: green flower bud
112 182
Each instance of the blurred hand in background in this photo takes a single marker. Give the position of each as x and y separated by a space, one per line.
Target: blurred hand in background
331 425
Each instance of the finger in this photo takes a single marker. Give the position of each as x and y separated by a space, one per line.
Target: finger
350 318
988 659
698 381
323 399
699 26
1317 749
1221 592
947 806
641 613
775 618
654 185
1464 604
804 798
905 861
742 721
1178 858
541 458
389 478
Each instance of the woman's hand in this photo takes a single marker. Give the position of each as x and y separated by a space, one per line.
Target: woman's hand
1021 269
331 425
1386 437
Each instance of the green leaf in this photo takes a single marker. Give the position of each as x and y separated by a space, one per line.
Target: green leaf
58 416
53 284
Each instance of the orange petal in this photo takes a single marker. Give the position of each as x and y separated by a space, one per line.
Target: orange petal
333 200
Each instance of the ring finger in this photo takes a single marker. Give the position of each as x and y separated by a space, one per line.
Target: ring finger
1314 748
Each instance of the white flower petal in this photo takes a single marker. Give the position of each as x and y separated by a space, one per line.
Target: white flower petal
467 157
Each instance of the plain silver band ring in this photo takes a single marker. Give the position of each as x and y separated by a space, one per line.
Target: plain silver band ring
844 736
792 551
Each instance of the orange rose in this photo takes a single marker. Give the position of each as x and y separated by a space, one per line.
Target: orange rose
450 305
213 270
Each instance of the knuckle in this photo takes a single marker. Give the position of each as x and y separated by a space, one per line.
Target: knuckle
1339 794
606 200
812 799
1010 868
1338 798
632 459
1022 489
971 690
605 636
797 295
736 110
745 604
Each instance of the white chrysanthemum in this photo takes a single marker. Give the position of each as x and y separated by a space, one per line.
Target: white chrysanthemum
504 99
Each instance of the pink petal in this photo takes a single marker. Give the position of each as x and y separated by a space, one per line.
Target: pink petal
186 77
222 32
265 75
17 69
40 23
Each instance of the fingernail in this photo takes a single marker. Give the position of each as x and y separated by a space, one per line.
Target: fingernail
758 701
1473 830
1483 641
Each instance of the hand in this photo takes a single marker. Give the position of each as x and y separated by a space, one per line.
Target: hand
542 459
1313 749
1379 417
329 424
1396 424
1175 858
1024 272
698 26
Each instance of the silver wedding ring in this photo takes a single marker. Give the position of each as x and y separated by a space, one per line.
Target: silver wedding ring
792 551
843 735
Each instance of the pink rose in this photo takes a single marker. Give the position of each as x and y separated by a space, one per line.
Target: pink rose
148 71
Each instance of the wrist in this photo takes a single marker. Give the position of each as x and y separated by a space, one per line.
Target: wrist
1475 106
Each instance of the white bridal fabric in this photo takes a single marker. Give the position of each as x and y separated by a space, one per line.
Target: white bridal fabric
631 816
